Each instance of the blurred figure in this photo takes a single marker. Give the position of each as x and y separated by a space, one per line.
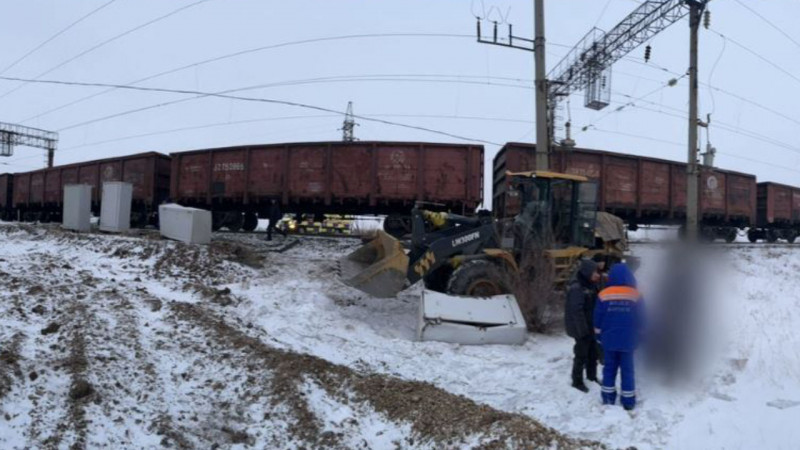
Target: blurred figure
618 320
275 216
578 310
675 331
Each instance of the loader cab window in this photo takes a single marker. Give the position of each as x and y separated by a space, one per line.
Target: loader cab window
562 217
574 212
586 214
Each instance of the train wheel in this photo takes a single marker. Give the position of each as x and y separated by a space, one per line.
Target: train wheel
730 235
235 221
772 236
791 237
250 221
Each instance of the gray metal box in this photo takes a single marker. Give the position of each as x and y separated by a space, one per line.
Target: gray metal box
470 320
189 225
115 209
77 207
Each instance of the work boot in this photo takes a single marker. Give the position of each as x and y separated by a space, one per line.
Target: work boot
594 379
580 386
628 407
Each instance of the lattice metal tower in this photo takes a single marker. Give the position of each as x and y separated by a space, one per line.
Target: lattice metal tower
349 125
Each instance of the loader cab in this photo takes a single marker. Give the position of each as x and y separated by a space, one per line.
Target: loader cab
557 209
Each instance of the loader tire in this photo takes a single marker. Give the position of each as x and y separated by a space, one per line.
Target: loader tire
479 278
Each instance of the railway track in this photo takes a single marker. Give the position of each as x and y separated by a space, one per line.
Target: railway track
295 235
722 244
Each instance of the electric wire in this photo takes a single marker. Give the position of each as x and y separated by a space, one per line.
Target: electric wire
282 118
679 144
773 64
197 94
106 42
770 23
248 52
719 125
55 36
711 75
602 13
241 98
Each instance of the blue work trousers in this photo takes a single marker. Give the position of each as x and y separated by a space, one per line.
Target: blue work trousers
623 361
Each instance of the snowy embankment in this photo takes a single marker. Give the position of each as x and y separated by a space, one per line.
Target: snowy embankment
133 342
749 393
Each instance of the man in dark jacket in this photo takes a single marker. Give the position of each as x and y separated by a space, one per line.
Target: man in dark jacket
275 216
578 312
618 320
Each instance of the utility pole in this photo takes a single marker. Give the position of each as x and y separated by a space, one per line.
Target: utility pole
537 46
692 173
542 129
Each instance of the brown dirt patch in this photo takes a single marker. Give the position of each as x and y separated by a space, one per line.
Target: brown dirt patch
434 414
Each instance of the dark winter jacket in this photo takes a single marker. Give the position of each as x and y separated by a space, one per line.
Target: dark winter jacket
275 214
579 305
620 311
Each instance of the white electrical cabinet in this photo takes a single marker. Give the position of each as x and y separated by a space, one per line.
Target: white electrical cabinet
77 207
115 209
470 320
190 225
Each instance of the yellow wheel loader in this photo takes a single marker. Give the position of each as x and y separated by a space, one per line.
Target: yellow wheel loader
478 256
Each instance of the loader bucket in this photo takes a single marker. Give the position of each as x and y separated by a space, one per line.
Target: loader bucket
378 268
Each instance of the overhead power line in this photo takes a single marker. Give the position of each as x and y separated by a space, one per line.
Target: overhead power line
768 22
680 144
270 119
247 52
758 55
236 97
106 42
216 94
55 36
681 115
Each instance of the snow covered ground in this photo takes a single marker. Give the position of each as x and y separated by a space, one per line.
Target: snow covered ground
213 351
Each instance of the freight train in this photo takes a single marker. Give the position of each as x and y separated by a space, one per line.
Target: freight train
650 191
38 195
239 185
358 178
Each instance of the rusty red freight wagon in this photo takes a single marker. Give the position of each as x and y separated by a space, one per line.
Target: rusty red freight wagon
640 190
38 195
778 213
238 183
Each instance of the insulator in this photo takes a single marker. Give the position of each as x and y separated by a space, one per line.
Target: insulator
647 51
707 19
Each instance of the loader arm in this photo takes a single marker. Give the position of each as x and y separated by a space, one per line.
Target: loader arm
461 240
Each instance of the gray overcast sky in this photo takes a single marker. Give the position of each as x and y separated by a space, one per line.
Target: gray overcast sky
452 80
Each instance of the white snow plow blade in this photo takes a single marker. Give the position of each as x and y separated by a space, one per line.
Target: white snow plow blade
470 320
